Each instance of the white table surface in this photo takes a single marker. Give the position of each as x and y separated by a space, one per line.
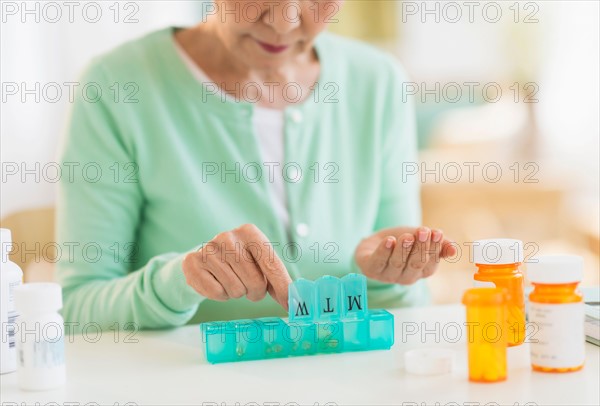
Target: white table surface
168 368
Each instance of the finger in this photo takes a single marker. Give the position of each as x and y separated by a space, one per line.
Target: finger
435 247
200 279
397 261
226 256
434 251
418 257
210 287
273 269
378 260
437 235
249 273
225 275
448 249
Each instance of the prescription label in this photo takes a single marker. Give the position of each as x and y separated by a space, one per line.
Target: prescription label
12 314
41 354
560 340
483 284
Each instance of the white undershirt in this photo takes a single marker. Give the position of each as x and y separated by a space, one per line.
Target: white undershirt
268 125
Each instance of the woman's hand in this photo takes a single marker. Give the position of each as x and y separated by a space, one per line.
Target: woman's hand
238 263
402 255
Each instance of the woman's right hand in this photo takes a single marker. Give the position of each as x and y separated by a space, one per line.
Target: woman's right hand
238 263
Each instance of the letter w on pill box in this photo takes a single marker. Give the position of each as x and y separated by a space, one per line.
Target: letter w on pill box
329 315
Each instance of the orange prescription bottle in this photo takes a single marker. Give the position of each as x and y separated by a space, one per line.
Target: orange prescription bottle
556 311
486 341
497 262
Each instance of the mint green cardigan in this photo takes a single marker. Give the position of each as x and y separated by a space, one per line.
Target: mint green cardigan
144 190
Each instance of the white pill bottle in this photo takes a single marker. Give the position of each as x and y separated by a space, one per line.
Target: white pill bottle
11 276
40 336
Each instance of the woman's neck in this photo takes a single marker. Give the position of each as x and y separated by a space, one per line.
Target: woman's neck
205 47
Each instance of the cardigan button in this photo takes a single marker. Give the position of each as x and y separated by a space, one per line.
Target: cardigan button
302 229
296 116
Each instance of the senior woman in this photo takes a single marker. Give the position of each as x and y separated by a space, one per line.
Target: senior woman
233 157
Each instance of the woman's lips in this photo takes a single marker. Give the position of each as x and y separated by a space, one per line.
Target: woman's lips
273 49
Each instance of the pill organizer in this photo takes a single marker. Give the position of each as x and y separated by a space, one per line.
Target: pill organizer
329 315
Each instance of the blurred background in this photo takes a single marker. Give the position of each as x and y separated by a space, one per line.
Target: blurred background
507 104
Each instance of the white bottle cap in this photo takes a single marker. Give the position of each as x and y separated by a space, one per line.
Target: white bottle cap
428 361
38 298
498 251
555 269
5 243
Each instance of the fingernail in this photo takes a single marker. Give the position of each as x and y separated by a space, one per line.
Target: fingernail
437 236
389 242
423 235
408 243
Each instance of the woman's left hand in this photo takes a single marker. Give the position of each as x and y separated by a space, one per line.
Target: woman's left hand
402 255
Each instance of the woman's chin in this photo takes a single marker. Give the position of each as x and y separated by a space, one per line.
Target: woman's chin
258 58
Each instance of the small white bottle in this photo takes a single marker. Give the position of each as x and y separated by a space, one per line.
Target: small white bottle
40 336
11 276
